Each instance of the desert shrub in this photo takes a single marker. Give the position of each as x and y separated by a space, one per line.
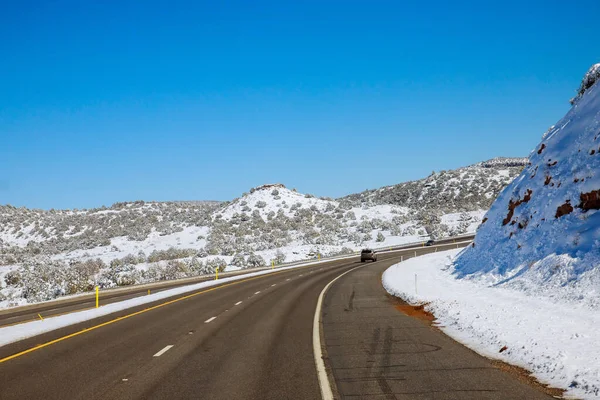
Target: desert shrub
380 237
261 204
344 251
12 278
171 253
255 261
120 275
274 192
42 279
279 257
215 263
239 261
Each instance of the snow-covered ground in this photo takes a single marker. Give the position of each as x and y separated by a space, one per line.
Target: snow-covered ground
552 334
49 254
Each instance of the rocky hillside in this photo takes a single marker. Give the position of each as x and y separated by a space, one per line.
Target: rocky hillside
464 189
44 254
543 231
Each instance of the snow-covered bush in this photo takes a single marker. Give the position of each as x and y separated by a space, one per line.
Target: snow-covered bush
589 79
380 237
279 257
255 261
12 278
215 263
345 251
171 253
239 261
261 204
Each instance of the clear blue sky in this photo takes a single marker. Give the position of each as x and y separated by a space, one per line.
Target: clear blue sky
115 100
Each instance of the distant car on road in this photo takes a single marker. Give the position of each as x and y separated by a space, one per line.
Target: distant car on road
368 254
430 242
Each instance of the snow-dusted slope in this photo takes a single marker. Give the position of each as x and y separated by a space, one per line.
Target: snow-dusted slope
464 189
543 231
45 254
270 198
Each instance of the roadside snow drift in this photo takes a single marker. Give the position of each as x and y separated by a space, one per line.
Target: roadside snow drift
557 341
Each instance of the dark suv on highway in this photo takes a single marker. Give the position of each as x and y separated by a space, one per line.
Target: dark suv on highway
368 254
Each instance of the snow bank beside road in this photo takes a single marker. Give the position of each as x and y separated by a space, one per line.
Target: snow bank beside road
557 341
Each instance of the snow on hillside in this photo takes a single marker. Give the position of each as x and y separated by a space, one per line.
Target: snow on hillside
271 198
530 281
46 254
542 234
469 188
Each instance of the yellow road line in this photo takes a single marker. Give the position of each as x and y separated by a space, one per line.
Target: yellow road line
60 339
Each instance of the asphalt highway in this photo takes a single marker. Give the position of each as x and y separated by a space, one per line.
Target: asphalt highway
252 339
31 312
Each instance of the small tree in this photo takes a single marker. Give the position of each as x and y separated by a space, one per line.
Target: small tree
380 237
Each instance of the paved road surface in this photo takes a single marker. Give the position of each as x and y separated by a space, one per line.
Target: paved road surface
12 316
377 352
250 340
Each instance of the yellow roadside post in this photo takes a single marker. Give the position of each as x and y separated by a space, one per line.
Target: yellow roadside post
97 295
217 274
40 317
148 291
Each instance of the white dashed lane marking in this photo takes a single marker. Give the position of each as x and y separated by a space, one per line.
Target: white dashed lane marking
163 351
238 303
210 320
257 292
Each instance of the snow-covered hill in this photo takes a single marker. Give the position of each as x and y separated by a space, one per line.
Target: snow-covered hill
542 234
464 189
44 254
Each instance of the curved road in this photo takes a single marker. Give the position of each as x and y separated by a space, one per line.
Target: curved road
252 339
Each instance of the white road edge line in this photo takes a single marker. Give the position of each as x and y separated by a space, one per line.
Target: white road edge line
324 384
163 351
210 320
238 303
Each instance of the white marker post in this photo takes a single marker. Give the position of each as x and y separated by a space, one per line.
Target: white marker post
416 292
